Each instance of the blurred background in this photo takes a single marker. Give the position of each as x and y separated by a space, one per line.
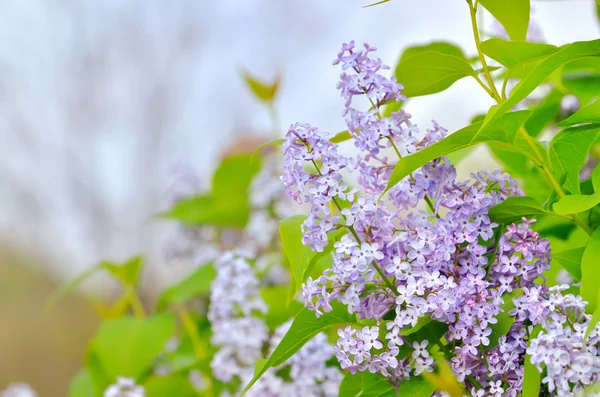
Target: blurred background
101 102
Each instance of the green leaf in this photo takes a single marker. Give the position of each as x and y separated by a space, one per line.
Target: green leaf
305 327
586 86
68 287
82 385
565 54
172 385
422 322
300 256
416 386
512 14
376 4
512 53
505 320
590 282
501 132
275 297
261 90
596 179
127 273
569 151
443 47
514 208
576 203
366 384
544 113
588 114
532 378
194 285
227 204
429 72
273 142
127 346
341 137
571 261
595 319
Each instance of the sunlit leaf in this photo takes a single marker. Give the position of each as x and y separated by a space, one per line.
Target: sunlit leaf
570 260
366 384
512 14
514 208
264 91
588 114
196 284
590 282
512 53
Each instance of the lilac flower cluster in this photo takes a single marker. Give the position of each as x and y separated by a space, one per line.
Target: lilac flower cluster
241 334
18 390
400 265
125 387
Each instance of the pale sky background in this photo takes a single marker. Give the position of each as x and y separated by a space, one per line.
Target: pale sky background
99 97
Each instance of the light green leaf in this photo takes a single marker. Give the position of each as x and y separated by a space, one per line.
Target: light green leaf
82 385
595 319
273 142
127 346
275 296
172 385
514 208
512 53
590 282
341 137
596 179
422 322
305 327
544 113
261 90
366 384
569 150
532 378
564 55
194 285
227 204
586 86
300 256
128 273
68 287
429 72
576 203
571 261
502 133
443 47
588 114
512 14
505 320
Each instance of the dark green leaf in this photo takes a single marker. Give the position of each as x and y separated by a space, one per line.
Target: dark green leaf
305 326
366 384
544 113
512 14
565 54
422 322
194 285
501 132
571 261
127 346
512 53
589 114
514 208
263 91
576 203
129 272
430 72
569 150
590 282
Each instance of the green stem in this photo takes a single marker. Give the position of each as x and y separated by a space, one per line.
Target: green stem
135 303
486 71
191 330
353 231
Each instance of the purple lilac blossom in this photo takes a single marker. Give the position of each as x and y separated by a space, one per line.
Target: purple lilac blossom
398 264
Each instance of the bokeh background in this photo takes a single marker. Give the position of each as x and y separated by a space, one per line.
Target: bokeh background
103 102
